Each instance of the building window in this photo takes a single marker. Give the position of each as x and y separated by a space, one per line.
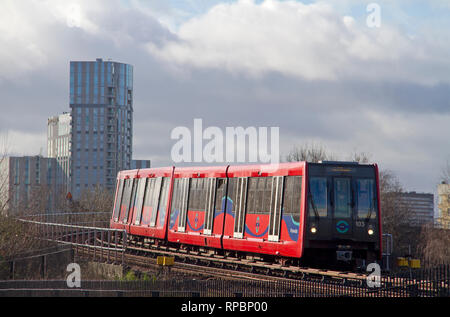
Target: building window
16 172
27 171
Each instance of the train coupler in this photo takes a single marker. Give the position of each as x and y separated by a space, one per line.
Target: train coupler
344 254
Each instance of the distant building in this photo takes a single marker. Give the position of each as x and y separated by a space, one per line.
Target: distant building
138 164
420 207
444 205
59 139
29 183
101 103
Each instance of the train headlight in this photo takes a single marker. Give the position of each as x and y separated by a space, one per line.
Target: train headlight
370 231
313 229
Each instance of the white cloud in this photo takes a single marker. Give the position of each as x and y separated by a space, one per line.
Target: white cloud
20 143
30 31
308 41
341 88
19 39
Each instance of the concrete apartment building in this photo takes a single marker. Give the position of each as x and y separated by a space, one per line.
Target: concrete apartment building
28 183
444 205
59 140
420 207
138 164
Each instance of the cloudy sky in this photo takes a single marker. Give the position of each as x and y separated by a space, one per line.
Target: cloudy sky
318 70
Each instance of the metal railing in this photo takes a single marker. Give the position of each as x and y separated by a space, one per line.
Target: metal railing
35 263
109 242
434 283
93 219
387 251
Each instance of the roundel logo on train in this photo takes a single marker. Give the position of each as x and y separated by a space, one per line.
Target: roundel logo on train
342 226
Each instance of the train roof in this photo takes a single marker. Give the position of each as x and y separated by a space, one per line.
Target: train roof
201 171
243 170
280 169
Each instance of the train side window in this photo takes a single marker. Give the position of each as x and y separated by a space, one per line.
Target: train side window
126 199
365 198
259 191
292 197
221 194
193 194
148 208
252 192
318 197
342 198
155 200
163 199
197 194
132 200
139 200
118 201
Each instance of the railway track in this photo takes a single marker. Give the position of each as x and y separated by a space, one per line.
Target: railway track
109 245
212 265
251 267
205 272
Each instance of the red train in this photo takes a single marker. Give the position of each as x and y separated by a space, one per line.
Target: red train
322 213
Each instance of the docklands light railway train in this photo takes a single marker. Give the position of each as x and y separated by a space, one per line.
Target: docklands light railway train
315 213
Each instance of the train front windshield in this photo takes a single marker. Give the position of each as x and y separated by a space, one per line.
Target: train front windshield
342 206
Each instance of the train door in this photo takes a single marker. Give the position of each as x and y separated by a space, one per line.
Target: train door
142 183
155 200
342 203
118 203
275 208
184 184
210 203
125 205
162 205
131 209
240 206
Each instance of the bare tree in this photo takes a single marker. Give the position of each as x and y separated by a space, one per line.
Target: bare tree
445 173
311 152
38 201
390 192
4 174
16 237
444 197
96 199
360 157
395 215
434 244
